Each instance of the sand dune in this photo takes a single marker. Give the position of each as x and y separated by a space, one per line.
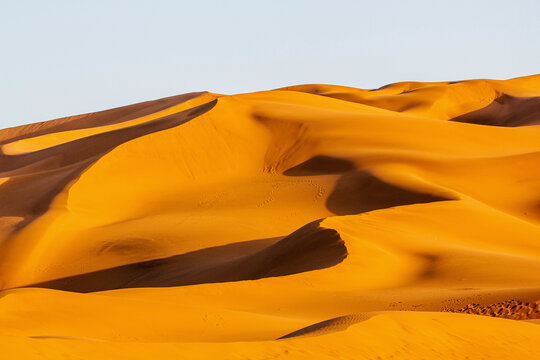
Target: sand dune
506 110
313 221
308 248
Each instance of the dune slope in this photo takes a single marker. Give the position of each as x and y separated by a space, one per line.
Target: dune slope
313 221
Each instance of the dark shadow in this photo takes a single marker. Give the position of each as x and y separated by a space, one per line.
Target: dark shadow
358 191
37 177
336 324
506 111
321 165
410 91
309 248
382 87
90 120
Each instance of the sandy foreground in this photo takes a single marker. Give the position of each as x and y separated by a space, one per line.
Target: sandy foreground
308 222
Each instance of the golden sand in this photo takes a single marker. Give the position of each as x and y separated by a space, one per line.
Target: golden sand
308 222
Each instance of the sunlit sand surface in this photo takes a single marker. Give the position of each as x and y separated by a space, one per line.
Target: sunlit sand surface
308 222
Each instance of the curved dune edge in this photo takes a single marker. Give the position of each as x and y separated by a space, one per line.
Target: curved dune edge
308 248
50 139
331 325
95 119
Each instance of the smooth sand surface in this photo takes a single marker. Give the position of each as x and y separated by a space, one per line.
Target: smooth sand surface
308 222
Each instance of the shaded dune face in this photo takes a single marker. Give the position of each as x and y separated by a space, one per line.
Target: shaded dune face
345 222
358 191
101 118
321 165
37 177
506 110
309 248
328 326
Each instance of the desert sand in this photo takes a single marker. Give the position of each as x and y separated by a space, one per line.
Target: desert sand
307 222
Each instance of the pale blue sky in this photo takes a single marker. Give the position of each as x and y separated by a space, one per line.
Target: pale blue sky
63 58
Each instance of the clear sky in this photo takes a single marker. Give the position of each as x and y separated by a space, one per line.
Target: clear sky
62 58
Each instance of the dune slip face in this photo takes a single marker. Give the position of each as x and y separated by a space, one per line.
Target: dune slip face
307 222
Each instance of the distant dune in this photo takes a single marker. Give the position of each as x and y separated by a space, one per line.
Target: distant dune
307 222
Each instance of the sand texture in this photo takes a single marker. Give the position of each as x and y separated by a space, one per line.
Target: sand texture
307 222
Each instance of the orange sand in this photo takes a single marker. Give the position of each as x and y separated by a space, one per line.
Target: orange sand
309 222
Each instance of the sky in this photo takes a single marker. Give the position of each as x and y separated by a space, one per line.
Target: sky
61 58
